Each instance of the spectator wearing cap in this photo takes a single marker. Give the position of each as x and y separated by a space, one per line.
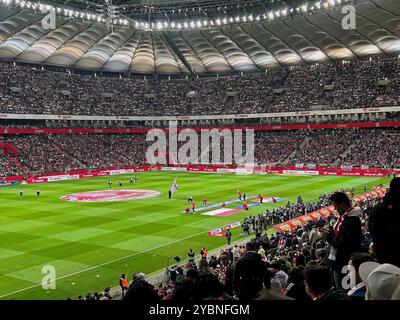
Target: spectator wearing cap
359 289
248 274
345 237
382 280
318 283
384 226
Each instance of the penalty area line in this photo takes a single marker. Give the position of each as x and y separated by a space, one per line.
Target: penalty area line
101 265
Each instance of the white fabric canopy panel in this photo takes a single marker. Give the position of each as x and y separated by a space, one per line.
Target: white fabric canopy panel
260 45
195 63
42 49
97 56
212 59
122 58
260 56
14 23
238 59
75 48
19 42
143 60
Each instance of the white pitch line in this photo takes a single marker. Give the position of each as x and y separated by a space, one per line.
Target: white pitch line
103 264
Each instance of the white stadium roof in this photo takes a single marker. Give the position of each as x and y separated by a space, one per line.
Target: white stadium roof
255 45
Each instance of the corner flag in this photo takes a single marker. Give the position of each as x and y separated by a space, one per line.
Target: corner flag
174 186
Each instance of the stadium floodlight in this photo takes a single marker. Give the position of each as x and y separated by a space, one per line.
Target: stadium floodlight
192 24
258 18
244 18
146 25
304 8
137 24
198 24
251 17
218 21
211 23
224 21
178 25
284 12
237 19
205 22
165 24
159 25
318 5
185 24
173 25
231 19
270 15
277 13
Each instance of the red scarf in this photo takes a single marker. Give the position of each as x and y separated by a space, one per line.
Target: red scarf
338 223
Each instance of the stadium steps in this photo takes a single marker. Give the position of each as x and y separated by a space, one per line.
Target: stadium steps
301 145
344 154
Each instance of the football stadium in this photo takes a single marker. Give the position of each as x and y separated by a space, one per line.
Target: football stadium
197 150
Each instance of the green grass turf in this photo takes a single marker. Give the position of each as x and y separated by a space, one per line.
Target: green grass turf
91 244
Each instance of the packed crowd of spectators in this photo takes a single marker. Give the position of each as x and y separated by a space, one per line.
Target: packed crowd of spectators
283 213
41 153
301 264
24 89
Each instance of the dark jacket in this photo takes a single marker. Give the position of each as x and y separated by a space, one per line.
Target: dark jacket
141 293
348 241
248 276
384 226
334 295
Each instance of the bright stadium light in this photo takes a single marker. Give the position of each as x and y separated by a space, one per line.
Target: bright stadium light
159 25
224 21
178 25
198 24
304 8
258 18
237 19
270 15
205 22
185 24
244 18
173 25
251 17
192 24
218 22
284 12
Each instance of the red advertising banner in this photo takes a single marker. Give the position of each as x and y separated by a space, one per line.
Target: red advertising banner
224 169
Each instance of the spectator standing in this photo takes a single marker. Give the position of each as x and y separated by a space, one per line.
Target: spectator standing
124 284
248 274
345 237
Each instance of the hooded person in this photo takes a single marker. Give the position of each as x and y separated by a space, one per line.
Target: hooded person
384 226
345 236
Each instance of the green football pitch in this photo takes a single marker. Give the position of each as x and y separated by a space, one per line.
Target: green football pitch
91 244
